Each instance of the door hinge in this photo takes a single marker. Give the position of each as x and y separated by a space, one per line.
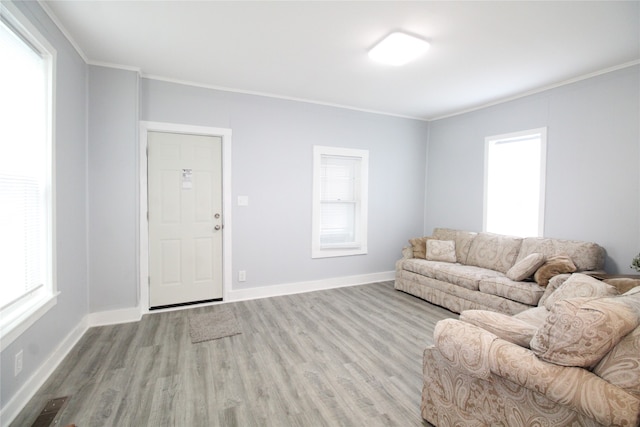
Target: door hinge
149 281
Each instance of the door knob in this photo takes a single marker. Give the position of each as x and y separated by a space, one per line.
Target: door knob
217 227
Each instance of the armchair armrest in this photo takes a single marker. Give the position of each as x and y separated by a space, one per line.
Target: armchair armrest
465 346
575 387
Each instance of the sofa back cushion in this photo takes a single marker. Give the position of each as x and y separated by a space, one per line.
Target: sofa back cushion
585 255
580 285
494 251
462 239
525 292
581 331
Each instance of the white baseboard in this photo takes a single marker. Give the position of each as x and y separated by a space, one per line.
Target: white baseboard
32 385
113 317
300 287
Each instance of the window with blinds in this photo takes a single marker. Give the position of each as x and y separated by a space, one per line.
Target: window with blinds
26 190
515 183
339 202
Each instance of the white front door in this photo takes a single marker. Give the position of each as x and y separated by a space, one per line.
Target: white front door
185 218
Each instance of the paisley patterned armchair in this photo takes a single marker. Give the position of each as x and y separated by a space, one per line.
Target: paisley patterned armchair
573 360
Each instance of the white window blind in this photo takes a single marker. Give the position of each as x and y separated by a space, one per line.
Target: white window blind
514 183
340 201
26 245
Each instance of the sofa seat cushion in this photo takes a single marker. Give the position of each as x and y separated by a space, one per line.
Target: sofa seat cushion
466 276
494 251
453 297
524 292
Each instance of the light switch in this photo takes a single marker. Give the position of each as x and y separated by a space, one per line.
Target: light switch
243 200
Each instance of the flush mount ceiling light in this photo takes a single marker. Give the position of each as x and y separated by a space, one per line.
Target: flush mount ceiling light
398 49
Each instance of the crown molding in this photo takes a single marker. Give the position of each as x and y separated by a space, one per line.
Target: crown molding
539 90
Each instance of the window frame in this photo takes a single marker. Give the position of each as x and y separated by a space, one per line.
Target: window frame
359 246
514 137
18 316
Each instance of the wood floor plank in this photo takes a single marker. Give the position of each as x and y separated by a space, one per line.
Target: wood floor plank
342 357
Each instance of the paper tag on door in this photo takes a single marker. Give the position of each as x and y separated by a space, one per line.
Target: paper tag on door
187 182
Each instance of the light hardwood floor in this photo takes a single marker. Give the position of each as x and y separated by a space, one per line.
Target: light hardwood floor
342 357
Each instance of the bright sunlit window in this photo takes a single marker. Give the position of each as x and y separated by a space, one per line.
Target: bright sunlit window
340 178
514 183
26 183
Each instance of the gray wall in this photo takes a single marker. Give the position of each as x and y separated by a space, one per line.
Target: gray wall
592 185
271 164
113 188
39 341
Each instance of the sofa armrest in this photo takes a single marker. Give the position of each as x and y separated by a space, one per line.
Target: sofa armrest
407 252
574 387
465 346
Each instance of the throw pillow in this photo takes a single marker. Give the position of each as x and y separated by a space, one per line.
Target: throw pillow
418 246
506 327
554 265
581 331
580 285
526 267
441 250
494 251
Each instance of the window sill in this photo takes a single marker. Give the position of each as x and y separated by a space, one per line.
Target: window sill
13 328
328 253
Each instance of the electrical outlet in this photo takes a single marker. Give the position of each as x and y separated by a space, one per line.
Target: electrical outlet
17 368
242 276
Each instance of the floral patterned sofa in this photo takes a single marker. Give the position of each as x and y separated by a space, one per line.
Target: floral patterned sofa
574 360
463 270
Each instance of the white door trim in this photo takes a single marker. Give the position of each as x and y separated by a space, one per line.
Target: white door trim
225 134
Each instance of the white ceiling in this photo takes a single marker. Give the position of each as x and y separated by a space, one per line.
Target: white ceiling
481 52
